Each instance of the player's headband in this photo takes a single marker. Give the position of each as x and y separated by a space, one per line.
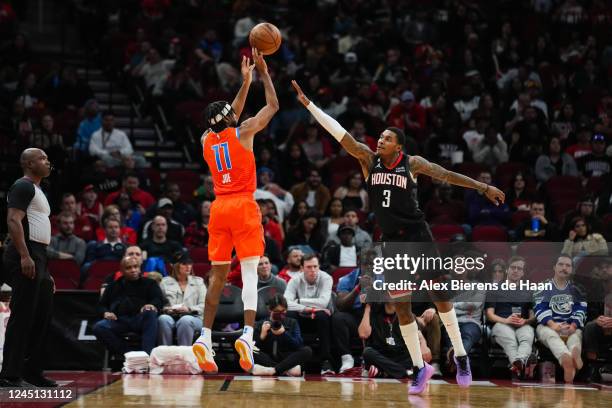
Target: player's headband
219 117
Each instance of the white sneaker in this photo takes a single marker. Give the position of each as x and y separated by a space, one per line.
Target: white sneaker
205 355
437 372
261 370
294 372
245 348
347 363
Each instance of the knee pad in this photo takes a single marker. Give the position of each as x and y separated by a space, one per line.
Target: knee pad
249 282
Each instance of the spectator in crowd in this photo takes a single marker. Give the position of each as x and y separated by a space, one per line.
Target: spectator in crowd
561 313
66 245
362 238
268 190
297 212
155 71
158 245
165 208
492 150
206 190
294 166
196 234
127 234
333 218
182 212
483 212
537 227
497 271
111 144
583 145
294 264
133 251
130 304
385 352
598 332
352 194
596 163
585 208
442 208
183 309
83 226
317 149
130 185
309 298
315 194
90 206
49 140
111 248
517 196
512 317
554 163
408 115
279 340
272 229
128 210
307 232
581 241
344 255
359 132
266 278
91 123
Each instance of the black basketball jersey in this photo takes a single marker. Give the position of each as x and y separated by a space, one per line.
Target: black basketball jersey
393 195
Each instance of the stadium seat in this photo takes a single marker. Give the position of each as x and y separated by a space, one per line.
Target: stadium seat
444 232
199 254
563 187
594 185
263 295
491 233
519 217
340 272
230 310
65 272
201 269
98 272
471 169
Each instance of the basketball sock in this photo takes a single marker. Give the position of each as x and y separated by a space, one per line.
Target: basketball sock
249 282
247 333
452 329
410 333
207 333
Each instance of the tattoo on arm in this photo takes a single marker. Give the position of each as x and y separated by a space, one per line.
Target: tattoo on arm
419 165
359 151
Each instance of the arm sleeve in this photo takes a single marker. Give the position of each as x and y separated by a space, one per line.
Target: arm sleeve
290 295
79 254
20 195
579 310
126 146
294 336
540 169
95 145
542 309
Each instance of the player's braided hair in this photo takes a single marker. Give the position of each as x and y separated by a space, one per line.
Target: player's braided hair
215 115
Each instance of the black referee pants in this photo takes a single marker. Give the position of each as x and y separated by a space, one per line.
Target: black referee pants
31 309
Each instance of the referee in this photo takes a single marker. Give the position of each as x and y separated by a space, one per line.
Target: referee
25 270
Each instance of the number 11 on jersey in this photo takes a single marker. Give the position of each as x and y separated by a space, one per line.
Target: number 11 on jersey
226 156
387 201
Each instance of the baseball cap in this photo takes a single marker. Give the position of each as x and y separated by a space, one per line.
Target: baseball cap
407 96
350 57
598 137
164 202
88 187
182 257
346 227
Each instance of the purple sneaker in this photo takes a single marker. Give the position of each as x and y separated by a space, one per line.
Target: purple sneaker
421 377
464 373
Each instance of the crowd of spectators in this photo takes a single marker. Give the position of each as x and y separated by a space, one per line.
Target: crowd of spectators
517 94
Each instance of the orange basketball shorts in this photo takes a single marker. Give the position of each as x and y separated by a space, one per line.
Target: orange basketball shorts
235 222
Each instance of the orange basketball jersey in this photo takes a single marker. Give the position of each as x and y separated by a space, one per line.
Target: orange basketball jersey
231 165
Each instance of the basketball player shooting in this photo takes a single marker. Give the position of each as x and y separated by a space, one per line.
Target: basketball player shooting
391 179
235 219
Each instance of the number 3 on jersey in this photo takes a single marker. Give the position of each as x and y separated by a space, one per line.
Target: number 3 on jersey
226 158
387 201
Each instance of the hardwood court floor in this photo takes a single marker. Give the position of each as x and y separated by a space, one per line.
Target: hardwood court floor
249 392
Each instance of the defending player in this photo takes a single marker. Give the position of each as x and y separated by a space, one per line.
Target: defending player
391 178
235 219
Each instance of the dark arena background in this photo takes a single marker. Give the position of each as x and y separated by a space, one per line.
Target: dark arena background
516 94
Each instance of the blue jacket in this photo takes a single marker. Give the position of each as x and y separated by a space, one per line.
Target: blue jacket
562 305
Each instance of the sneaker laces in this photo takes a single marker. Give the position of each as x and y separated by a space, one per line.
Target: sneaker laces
417 372
462 367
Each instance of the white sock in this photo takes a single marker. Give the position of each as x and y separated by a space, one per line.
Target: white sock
410 333
452 328
207 334
247 333
248 269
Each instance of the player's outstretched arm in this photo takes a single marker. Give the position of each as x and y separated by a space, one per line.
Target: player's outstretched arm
251 126
356 149
246 68
419 165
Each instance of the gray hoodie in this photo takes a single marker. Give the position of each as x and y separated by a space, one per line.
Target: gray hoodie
300 294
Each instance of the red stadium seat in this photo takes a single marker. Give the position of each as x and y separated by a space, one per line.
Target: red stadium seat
444 232
504 174
199 254
471 169
201 269
340 272
98 272
594 185
65 272
519 217
490 233
565 187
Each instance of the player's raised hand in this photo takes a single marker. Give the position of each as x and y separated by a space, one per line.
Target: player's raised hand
259 61
246 68
495 195
300 94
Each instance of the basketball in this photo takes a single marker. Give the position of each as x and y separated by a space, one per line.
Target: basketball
265 37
